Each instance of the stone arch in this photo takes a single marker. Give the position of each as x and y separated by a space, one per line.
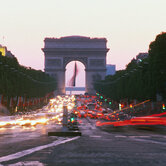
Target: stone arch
67 60
91 52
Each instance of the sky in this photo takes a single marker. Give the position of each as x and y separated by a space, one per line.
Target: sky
128 25
80 76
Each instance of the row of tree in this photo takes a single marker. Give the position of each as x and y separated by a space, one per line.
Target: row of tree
141 80
19 81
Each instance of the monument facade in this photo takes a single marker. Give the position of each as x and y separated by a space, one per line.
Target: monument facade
91 52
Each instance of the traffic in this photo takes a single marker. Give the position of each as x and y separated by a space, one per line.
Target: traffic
88 107
92 128
51 113
80 106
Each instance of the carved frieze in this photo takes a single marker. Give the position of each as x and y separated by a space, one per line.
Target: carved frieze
53 63
96 62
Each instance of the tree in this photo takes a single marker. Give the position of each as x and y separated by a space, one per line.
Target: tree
17 80
157 55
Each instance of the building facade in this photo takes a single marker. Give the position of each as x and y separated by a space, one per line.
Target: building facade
111 69
5 52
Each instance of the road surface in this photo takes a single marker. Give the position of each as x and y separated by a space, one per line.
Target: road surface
24 140
95 147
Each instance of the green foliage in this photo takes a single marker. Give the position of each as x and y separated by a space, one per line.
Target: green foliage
17 80
140 80
157 57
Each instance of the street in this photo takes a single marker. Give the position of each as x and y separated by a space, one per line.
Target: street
95 147
122 147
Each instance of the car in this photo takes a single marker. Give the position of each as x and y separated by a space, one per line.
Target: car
138 122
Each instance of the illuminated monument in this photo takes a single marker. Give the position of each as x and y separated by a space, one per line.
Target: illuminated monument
91 52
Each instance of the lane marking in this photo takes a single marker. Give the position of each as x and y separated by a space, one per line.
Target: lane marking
29 151
145 136
120 136
139 136
149 141
27 163
95 136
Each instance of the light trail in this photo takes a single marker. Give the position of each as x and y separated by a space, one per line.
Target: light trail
52 112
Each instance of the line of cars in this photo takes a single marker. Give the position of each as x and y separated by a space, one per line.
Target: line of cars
109 118
91 110
152 122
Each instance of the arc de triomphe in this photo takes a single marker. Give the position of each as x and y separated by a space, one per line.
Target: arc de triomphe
91 52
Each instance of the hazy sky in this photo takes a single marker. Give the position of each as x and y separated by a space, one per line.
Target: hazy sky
128 25
80 77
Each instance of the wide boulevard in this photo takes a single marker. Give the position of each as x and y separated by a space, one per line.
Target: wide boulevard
29 144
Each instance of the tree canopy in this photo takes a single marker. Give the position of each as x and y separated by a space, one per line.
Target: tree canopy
17 80
141 80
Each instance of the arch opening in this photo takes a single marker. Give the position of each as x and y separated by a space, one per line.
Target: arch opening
75 78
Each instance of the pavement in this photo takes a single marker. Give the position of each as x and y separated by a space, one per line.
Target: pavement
95 147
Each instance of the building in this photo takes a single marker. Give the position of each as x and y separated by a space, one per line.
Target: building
5 52
111 69
2 50
141 56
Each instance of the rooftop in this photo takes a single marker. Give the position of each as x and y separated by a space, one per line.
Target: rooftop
75 38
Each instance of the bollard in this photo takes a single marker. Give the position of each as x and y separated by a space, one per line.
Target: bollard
65 119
